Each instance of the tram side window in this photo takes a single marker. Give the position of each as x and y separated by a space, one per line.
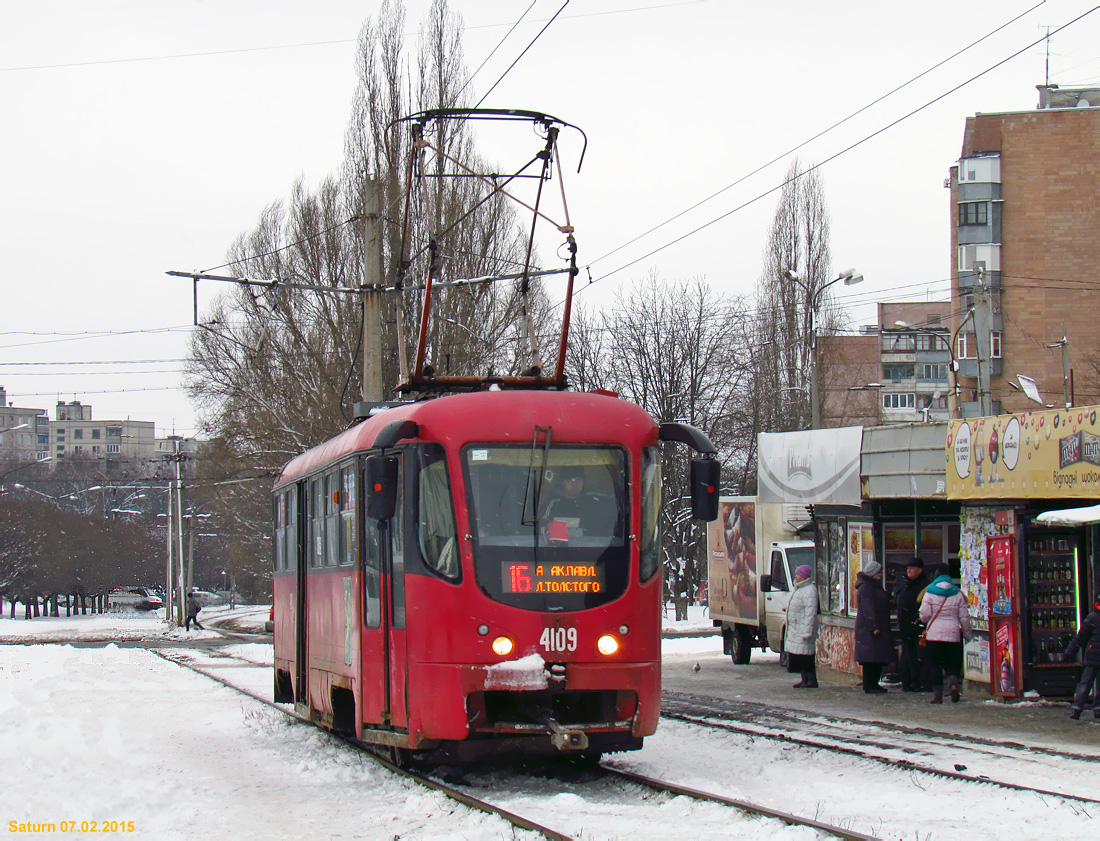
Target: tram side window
372 574
349 542
650 549
317 522
396 532
290 535
332 515
436 532
279 555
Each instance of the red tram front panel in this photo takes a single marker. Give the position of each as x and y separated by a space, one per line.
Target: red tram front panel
500 601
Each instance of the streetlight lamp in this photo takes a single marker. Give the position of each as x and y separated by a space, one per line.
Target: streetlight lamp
850 277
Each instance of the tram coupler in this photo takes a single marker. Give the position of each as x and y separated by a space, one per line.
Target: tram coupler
567 738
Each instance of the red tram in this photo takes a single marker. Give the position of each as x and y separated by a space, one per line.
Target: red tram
479 573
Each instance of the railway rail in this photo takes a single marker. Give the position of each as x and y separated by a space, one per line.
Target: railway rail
632 792
891 744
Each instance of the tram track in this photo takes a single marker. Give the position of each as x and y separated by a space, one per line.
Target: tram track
643 792
879 742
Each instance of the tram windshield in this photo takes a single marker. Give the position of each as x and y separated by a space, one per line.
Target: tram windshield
549 524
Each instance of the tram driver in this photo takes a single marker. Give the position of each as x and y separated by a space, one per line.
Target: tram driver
571 510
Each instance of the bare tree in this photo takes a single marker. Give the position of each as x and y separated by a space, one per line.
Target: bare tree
792 287
678 350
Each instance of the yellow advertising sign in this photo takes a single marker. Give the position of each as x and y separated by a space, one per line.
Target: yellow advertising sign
1046 455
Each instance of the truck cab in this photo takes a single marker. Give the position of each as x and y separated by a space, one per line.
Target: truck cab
784 557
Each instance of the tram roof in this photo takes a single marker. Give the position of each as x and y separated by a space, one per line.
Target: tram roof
505 416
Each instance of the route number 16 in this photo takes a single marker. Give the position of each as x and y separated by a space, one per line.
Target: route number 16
559 639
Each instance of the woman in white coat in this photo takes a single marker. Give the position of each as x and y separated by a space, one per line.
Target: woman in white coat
800 641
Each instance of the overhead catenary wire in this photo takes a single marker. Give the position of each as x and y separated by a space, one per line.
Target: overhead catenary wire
835 155
820 134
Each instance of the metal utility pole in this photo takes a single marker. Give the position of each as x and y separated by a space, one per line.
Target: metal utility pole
168 588
372 295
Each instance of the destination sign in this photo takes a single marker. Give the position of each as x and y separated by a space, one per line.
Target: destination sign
552 578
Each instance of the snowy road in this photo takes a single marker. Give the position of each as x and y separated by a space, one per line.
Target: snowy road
118 734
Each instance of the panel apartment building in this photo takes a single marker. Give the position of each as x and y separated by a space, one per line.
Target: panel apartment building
1026 253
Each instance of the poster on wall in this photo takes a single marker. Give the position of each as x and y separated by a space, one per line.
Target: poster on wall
855 563
1004 667
977 524
976 658
1001 574
1049 454
731 559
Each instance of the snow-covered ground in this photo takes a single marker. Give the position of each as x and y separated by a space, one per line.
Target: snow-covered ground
116 733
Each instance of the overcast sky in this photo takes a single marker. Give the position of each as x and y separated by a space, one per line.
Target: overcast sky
141 136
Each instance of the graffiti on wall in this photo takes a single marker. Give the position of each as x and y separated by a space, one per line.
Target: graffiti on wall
835 648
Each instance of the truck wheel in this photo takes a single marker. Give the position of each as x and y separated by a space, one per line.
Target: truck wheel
741 645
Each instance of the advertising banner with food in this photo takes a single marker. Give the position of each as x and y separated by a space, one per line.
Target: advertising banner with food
1049 455
731 557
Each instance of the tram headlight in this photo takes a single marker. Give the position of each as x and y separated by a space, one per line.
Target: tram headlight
607 644
503 646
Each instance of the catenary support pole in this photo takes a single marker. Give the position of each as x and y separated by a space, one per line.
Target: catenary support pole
372 295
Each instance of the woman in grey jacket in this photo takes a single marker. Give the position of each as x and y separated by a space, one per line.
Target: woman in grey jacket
800 640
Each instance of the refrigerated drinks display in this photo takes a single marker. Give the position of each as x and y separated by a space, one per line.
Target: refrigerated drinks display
1053 608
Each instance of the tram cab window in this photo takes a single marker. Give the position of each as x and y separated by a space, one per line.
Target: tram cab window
565 507
436 532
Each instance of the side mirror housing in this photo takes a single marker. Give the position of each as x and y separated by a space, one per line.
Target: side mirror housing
765 583
381 487
705 473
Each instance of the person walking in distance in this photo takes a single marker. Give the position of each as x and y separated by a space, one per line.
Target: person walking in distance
800 641
193 608
874 646
907 593
1087 639
944 612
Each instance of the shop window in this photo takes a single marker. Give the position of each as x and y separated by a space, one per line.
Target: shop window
831 561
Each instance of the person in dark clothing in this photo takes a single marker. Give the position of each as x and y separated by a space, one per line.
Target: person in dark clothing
874 646
571 507
907 593
1087 639
193 608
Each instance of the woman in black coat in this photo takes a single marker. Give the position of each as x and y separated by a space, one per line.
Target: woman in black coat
874 645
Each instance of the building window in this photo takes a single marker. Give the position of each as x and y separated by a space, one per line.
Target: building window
78 434
95 434
60 434
926 341
60 448
78 449
113 448
114 431
934 371
897 372
95 449
995 344
974 213
964 347
898 342
899 400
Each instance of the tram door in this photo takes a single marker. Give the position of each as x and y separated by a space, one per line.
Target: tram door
301 600
383 650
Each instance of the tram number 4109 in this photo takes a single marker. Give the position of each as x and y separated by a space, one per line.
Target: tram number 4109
559 639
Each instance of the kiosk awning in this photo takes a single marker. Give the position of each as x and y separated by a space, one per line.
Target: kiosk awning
1070 516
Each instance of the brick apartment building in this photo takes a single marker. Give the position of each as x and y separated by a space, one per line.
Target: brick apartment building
1026 253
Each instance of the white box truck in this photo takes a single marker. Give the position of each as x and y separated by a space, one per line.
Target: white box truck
753 550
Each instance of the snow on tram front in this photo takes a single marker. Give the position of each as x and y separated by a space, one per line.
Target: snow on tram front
479 574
